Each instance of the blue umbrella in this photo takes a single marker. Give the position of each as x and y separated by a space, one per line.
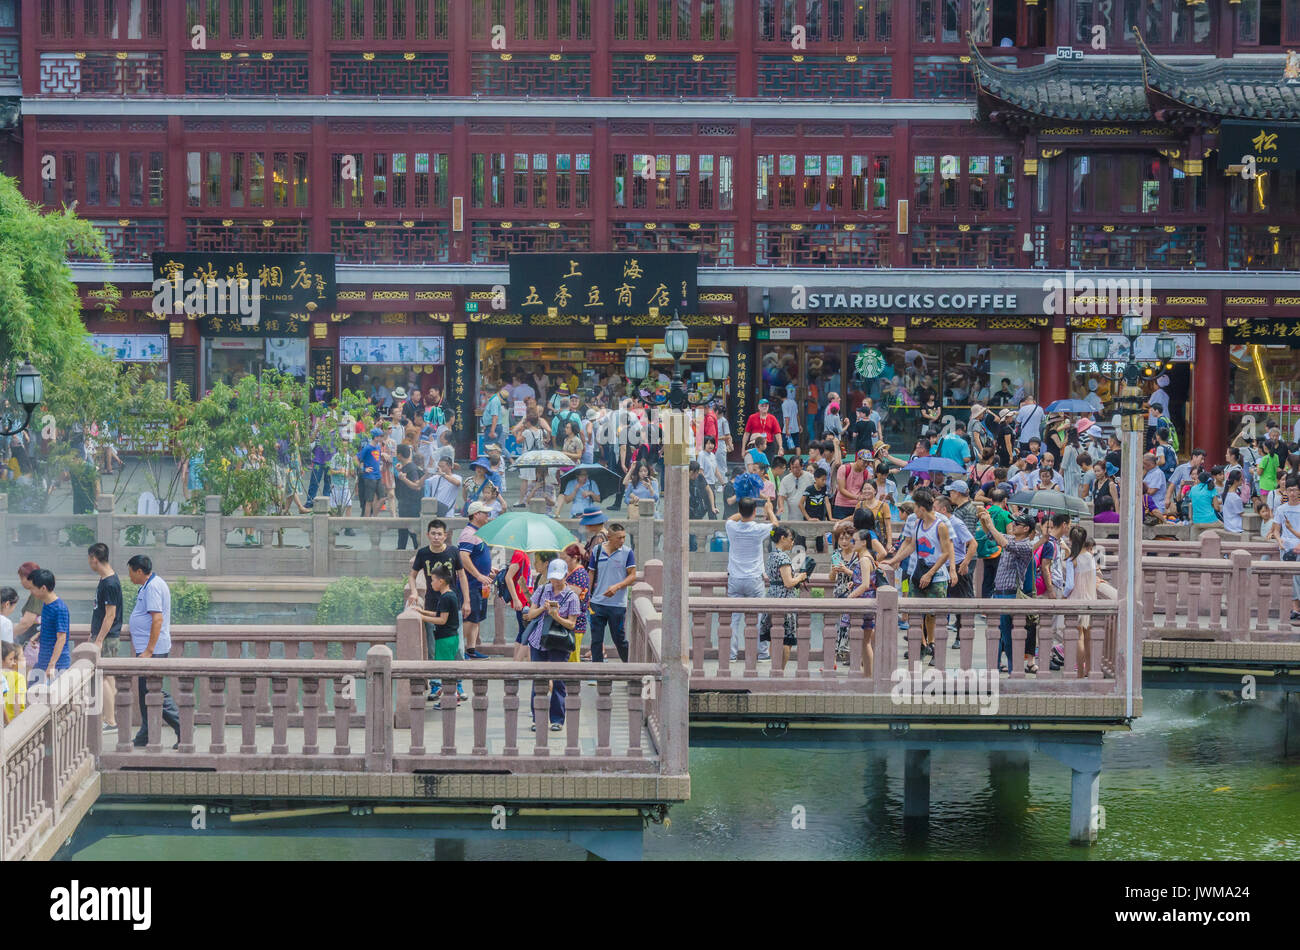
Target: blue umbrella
933 463
1072 406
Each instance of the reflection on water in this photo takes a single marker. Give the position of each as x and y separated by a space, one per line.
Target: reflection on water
1201 777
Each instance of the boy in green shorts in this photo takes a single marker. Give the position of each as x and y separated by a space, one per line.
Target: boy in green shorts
442 631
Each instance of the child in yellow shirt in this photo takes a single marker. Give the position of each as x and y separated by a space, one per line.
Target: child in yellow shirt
13 685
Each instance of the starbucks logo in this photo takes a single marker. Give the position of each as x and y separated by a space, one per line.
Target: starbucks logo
871 362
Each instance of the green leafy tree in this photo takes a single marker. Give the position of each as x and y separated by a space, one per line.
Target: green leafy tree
40 309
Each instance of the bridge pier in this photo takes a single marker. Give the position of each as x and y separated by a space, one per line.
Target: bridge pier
916 784
1291 715
1084 760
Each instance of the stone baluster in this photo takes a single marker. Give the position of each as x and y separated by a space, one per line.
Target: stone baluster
216 713
572 717
262 651
635 717
1097 645
104 520
479 704
448 703
604 716
344 693
214 534
1241 593
416 702
185 703
311 706
701 621
248 714
752 644
541 717
280 715
153 701
322 538
724 644
1018 637
511 706
410 646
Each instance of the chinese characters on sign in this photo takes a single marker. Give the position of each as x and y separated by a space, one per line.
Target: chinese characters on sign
298 285
1265 331
1274 145
602 284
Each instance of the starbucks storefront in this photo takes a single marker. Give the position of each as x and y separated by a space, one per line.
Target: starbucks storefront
845 344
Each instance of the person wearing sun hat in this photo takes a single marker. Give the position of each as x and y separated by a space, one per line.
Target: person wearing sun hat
592 521
555 599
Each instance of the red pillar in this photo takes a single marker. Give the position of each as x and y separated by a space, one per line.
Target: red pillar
1053 368
1210 395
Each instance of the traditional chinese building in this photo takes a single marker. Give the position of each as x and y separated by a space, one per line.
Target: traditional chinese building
895 176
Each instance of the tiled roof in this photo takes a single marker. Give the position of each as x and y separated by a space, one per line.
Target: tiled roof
1098 90
1224 88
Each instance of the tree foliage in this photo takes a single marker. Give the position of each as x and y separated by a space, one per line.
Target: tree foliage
40 309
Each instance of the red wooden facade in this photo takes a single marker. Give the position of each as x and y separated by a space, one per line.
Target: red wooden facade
778 191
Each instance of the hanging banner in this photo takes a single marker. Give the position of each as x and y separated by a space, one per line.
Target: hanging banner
131 347
403 350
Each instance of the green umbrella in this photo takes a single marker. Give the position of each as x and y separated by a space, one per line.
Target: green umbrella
526 531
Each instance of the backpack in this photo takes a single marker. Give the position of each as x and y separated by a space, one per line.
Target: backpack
1164 422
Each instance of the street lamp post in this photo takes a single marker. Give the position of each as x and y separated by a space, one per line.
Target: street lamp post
1131 502
677 433
29 391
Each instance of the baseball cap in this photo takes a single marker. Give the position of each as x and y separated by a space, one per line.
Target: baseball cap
1026 520
958 486
475 507
557 568
763 402
1031 459
376 433
756 456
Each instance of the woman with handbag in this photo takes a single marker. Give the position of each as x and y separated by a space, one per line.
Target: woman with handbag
552 617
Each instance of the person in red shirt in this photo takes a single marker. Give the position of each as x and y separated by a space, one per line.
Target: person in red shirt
517 581
763 423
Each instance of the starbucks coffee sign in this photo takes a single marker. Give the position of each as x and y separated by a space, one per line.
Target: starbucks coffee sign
889 300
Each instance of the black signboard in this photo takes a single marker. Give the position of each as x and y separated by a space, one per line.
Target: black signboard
1268 332
1009 299
602 284
1275 145
277 284
293 324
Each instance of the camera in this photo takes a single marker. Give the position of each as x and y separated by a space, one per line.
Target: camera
809 565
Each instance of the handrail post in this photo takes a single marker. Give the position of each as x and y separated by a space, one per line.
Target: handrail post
675 704
104 520
410 646
1211 545
1239 595
884 648
653 575
214 536
379 701
320 536
89 653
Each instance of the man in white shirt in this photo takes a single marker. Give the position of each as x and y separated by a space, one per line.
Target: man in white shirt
150 625
790 420
1286 532
745 565
443 487
1154 482
1029 420
791 488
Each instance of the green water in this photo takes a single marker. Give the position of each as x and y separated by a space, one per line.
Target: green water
1200 777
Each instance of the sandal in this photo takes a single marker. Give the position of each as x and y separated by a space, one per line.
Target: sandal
1031 667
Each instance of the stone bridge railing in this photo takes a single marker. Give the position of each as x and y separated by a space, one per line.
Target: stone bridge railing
318 545
47 763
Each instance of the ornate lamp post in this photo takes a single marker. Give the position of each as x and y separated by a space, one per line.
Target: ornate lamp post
1133 415
29 391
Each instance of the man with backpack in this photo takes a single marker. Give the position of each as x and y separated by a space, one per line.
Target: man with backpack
1029 422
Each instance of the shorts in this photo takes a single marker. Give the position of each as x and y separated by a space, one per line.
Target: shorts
445 647
112 647
369 490
477 604
340 494
840 512
936 589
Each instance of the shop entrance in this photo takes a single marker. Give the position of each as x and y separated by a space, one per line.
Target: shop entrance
377 366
